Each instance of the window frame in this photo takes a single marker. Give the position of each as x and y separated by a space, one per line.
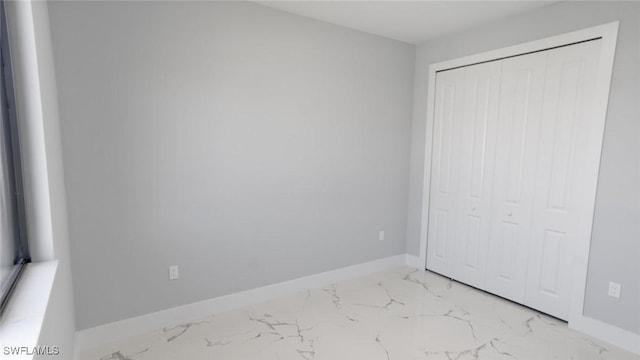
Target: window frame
10 142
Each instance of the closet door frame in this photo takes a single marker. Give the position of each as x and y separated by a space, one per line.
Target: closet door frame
608 34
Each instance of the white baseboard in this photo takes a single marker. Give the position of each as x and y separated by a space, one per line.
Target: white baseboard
127 328
621 338
413 261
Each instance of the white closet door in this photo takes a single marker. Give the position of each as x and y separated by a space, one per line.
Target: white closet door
477 155
566 121
522 88
444 170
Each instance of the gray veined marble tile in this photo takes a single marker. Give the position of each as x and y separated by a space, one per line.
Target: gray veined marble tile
400 314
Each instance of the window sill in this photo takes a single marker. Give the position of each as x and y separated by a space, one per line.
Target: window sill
22 321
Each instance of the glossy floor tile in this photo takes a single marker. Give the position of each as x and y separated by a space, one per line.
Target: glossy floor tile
393 315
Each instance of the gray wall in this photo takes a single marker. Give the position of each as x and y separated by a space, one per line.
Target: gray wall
615 246
247 145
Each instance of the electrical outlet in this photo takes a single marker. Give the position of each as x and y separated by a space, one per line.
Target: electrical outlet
381 235
614 289
173 272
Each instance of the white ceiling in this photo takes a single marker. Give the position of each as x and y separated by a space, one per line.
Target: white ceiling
409 21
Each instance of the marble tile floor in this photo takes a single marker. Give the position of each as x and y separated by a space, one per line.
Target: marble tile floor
399 314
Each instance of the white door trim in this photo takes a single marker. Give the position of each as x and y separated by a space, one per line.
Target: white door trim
609 34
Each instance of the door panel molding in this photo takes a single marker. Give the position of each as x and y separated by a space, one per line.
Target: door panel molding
477 154
608 35
521 97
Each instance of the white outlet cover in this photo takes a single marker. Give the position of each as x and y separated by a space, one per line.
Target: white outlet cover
173 272
381 235
614 289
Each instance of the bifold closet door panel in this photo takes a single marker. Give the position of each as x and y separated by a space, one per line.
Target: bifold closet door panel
444 170
517 139
477 154
567 119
